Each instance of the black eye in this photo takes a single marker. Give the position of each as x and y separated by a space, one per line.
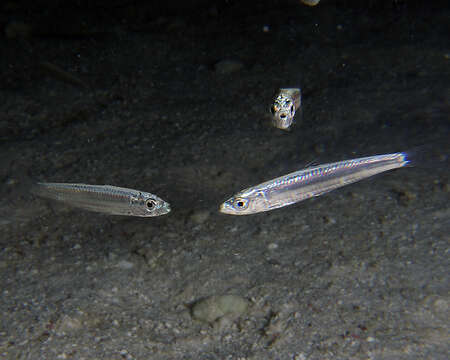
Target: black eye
241 204
151 204
273 110
292 109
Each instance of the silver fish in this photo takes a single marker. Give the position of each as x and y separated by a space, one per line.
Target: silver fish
106 199
285 103
310 182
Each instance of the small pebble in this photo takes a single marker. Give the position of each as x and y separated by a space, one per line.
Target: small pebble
300 356
440 306
68 325
404 197
199 217
18 30
216 307
329 220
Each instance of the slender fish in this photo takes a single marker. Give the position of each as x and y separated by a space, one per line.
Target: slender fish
106 199
285 103
310 182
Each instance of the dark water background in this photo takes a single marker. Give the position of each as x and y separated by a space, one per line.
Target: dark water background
173 98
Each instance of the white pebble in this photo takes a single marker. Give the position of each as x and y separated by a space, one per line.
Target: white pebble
216 307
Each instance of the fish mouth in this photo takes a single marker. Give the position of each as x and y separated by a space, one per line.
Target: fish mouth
226 208
166 209
162 210
283 121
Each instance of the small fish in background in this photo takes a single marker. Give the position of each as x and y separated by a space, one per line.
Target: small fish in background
106 199
285 104
315 181
310 2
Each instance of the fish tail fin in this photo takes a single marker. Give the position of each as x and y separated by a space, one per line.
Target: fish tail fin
427 156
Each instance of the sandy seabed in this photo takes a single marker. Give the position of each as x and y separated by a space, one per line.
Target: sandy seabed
177 105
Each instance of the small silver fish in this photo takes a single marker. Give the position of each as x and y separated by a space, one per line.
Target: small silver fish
285 103
106 199
314 181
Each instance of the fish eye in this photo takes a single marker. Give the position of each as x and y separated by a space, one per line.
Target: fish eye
273 110
151 204
240 204
292 109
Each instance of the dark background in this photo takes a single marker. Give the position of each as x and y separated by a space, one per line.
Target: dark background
173 97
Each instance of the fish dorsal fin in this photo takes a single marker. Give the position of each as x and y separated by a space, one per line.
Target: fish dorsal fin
311 164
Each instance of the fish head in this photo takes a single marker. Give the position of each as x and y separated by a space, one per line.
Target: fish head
284 106
283 112
245 203
146 205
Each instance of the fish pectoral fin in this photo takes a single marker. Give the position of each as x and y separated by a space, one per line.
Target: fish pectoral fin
319 193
